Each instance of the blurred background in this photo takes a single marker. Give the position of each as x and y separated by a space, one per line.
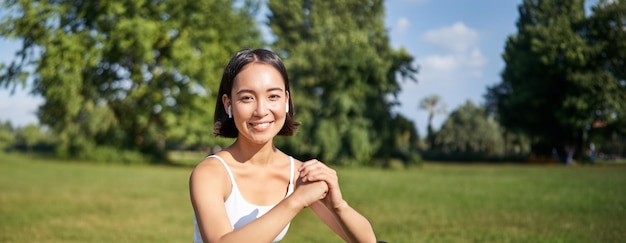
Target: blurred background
386 92
374 82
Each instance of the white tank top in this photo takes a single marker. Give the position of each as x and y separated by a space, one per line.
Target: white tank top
240 212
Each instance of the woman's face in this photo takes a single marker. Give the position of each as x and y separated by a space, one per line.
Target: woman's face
258 102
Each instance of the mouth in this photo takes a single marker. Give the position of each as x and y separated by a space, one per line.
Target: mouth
260 125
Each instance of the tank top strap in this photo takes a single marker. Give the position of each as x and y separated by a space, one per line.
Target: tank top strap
290 188
291 170
232 178
230 174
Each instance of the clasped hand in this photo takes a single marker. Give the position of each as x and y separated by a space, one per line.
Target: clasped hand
316 182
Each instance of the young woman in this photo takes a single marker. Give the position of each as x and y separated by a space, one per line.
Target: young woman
250 191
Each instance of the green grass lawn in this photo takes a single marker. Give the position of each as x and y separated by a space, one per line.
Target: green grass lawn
53 201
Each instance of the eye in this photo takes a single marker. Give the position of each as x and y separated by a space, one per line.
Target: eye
246 98
274 97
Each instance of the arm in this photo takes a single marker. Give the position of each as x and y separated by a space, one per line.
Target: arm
209 186
333 210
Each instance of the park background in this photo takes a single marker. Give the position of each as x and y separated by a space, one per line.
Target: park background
439 114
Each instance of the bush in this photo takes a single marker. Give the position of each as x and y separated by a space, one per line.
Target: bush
104 154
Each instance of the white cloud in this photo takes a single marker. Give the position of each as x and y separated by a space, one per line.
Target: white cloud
440 63
453 64
456 38
476 59
402 25
451 72
459 58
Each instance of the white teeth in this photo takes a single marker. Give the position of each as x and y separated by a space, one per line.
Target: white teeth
262 125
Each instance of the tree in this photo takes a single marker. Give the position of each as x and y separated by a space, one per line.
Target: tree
469 133
126 74
605 30
7 135
345 77
30 136
553 85
433 105
406 141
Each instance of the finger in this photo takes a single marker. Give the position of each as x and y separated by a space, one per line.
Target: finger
308 170
319 175
310 174
328 176
315 168
309 163
312 166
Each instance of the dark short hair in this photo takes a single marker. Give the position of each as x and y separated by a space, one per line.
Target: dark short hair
224 126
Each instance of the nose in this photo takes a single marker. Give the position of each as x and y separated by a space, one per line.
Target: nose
261 108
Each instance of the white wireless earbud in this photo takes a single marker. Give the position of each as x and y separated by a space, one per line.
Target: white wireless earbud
287 107
230 112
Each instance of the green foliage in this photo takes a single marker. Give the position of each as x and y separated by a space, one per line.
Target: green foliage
30 136
605 27
606 31
342 71
7 136
469 133
564 71
112 155
126 74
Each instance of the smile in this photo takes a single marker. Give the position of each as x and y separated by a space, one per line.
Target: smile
260 125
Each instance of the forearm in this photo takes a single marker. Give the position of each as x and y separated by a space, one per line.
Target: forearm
355 226
266 227
332 209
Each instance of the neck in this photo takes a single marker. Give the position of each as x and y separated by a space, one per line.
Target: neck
257 154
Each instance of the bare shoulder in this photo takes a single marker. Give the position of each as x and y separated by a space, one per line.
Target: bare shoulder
210 166
296 162
210 175
209 186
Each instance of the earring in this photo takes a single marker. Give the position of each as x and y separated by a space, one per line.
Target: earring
287 107
230 112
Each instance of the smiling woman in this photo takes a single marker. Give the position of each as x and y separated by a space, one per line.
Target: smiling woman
259 102
272 73
250 191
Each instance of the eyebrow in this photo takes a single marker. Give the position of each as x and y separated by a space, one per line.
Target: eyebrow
252 91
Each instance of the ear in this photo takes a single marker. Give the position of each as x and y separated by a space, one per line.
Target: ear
227 105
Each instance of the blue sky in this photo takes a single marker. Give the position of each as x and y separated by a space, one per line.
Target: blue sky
456 43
